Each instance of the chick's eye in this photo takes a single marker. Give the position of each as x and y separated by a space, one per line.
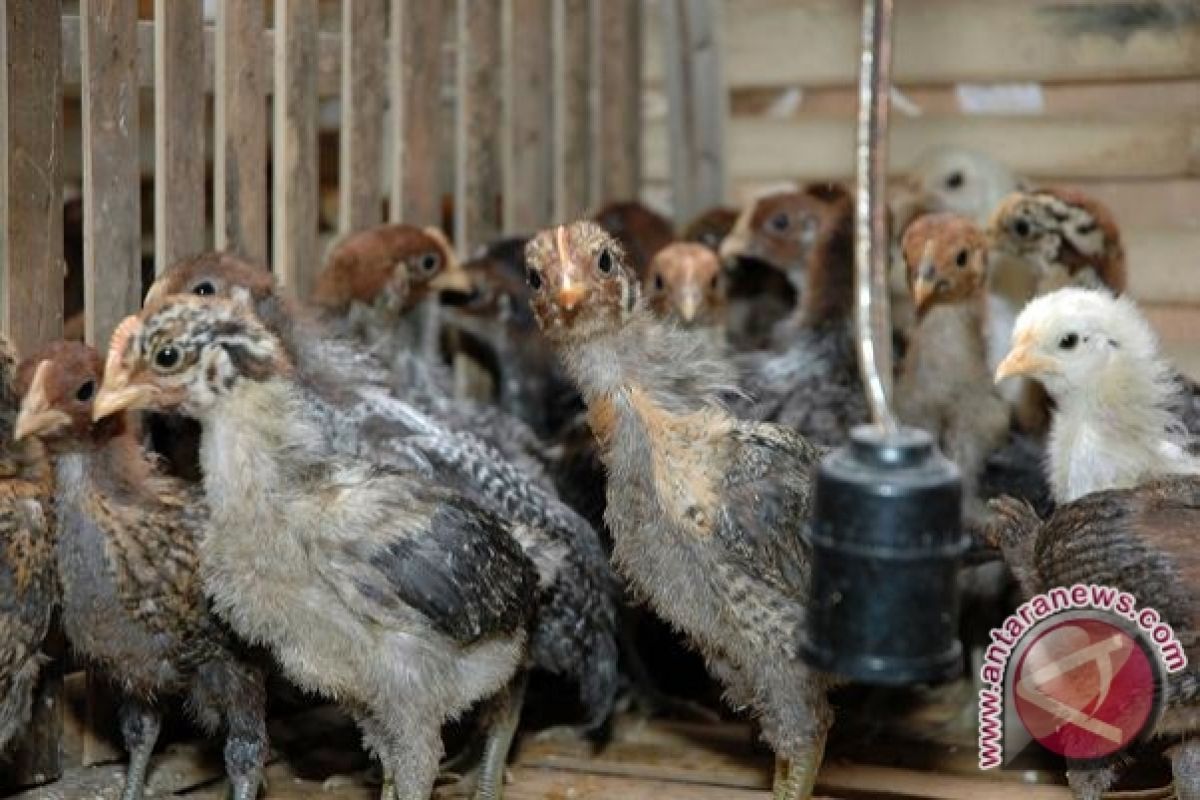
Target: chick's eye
166 357
658 283
955 180
715 282
1068 341
604 262
779 223
86 391
961 258
430 262
535 279
204 289
1021 228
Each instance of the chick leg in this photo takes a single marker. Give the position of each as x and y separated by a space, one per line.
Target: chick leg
375 741
1185 767
415 748
799 773
140 726
1090 783
231 693
502 726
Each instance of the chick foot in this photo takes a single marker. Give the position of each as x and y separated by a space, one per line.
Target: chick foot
796 777
1090 783
140 726
1185 767
503 727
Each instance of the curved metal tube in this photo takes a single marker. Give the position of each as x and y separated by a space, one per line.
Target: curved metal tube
870 223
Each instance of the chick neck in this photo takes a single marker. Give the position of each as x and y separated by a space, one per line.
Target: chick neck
827 296
109 459
1118 431
680 370
952 339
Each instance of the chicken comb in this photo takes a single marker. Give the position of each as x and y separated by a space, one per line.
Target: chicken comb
120 340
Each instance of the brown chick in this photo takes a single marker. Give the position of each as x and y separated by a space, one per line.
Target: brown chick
944 384
128 561
685 283
1068 239
1143 540
703 508
711 227
28 593
641 230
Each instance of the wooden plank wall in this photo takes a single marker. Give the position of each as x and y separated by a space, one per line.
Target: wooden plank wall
1106 101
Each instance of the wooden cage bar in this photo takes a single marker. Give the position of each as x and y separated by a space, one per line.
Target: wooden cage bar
572 108
416 89
528 156
476 145
364 93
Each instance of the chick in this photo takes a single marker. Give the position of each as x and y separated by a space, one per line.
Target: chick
127 552
365 418
943 385
1067 238
496 327
381 589
1113 425
641 230
28 592
684 283
956 180
703 508
371 282
1144 540
810 381
711 227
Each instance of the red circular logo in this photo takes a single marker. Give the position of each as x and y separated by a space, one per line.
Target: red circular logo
1084 688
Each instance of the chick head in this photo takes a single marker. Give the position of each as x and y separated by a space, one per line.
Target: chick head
946 257
685 282
582 286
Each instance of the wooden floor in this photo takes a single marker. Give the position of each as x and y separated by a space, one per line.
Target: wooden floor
914 745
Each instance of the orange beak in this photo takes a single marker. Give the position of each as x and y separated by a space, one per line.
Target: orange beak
37 416
117 392
1022 360
571 295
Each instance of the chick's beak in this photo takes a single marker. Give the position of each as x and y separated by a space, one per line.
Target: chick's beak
570 295
117 394
689 304
1022 360
37 416
452 279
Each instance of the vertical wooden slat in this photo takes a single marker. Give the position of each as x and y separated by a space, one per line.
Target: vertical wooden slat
364 72
572 109
32 268
617 164
178 131
296 186
31 260
697 105
240 168
112 220
416 87
477 130
528 115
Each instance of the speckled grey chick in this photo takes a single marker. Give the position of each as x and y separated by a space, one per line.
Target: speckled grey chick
381 589
128 544
28 591
704 510
362 416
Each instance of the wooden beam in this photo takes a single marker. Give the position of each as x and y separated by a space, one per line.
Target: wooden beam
112 219
296 186
477 172
329 56
1044 148
416 84
785 43
179 146
618 55
572 109
528 116
31 260
364 88
697 104
240 168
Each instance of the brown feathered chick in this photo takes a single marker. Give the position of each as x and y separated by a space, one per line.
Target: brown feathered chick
685 283
711 227
28 592
641 230
1145 541
379 588
703 508
128 560
1067 238
944 385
